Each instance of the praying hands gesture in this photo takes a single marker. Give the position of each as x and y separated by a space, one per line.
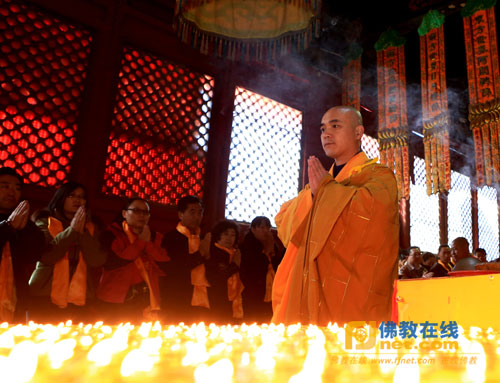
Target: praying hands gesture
145 234
205 246
19 217
79 220
316 172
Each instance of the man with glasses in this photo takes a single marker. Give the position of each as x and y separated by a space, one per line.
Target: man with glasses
413 267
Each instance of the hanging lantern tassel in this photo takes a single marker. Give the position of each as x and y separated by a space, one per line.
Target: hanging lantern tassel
484 122
406 169
428 162
494 148
398 165
447 163
437 158
394 154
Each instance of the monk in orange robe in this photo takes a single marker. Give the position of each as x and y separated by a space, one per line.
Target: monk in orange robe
341 234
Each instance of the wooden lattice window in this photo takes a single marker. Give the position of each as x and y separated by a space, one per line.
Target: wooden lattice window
264 156
424 212
488 221
43 62
460 208
159 138
370 146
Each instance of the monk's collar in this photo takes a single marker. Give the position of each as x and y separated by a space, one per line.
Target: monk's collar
337 169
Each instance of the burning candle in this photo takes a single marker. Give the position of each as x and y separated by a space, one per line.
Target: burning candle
248 353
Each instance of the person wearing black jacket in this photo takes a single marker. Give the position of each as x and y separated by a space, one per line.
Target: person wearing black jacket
26 242
259 254
442 267
185 250
223 264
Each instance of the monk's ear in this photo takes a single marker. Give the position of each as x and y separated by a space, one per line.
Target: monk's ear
358 131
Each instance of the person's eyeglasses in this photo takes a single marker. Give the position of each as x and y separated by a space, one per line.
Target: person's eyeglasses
139 211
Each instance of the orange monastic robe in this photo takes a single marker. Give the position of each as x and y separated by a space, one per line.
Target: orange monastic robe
342 248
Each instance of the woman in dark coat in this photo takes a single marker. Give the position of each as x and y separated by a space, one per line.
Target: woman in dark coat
260 257
63 282
222 270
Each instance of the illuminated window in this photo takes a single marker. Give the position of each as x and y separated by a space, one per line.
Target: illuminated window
424 212
459 208
159 139
265 156
488 221
43 62
370 146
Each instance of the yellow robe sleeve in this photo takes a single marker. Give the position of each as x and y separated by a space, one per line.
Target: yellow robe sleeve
292 214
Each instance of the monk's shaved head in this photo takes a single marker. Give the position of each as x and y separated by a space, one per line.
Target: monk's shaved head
460 248
353 115
341 133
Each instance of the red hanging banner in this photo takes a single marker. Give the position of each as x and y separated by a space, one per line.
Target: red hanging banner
393 125
434 103
351 77
484 88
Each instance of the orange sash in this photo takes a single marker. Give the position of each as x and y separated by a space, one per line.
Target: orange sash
154 300
234 286
63 290
8 297
447 267
198 276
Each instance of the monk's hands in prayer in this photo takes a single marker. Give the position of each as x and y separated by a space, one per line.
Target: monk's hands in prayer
19 217
79 219
316 172
205 246
145 233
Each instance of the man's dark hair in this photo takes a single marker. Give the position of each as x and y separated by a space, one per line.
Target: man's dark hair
413 247
428 255
185 201
221 226
441 247
479 249
6 171
257 221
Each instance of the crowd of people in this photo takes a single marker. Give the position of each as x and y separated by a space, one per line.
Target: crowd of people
417 264
62 263
341 235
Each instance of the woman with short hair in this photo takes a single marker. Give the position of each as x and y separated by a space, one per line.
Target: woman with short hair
223 269
129 285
